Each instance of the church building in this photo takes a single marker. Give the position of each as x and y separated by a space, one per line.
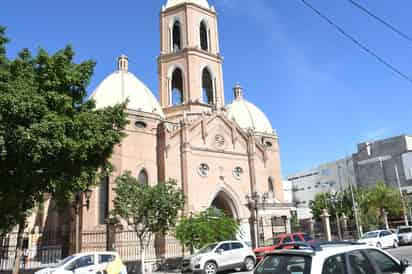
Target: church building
223 155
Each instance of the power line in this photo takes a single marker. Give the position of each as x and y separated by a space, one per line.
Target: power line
387 24
359 44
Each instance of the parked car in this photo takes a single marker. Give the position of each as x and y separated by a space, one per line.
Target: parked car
280 240
405 235
220 256
331 258
88 262
380 239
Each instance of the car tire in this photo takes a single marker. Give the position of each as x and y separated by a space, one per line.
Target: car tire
210 268
379 245
248 264
395 244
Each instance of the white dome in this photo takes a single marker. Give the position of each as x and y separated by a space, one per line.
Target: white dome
202 3
122 85
247 115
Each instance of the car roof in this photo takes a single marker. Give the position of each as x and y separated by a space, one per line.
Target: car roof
323 249
96 252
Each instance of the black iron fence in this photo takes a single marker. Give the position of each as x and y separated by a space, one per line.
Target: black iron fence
48 247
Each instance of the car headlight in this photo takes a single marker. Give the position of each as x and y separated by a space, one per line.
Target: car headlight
196 260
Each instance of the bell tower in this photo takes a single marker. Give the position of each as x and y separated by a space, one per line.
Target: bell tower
189 65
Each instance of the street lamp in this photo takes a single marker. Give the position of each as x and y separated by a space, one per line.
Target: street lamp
78 205
252 203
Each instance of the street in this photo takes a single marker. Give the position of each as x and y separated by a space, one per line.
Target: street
402 252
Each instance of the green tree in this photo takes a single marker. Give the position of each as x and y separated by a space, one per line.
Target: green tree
209 226
385 199
52 139
147 209
319 203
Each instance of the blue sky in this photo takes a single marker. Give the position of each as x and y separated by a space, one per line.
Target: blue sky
322 94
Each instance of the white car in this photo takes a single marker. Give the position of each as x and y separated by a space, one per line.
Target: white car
380 239
220 256
331 258
405 235
82 263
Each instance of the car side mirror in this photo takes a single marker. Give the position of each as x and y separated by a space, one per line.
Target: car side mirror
404 265
219 251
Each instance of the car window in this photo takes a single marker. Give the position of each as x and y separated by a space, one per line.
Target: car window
106 258
296 238
385 233
287 239
82 262
405 230
359 264
335 265
384 263
237 245
284 263
224 247
307 238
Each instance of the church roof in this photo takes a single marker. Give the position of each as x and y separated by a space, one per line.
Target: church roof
122 85
202 3
247 115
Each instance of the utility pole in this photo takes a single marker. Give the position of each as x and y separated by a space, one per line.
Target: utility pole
354 203
405 212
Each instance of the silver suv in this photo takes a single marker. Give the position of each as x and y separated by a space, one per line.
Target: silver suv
220 256
405 235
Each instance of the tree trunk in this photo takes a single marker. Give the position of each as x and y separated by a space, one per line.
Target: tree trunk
142 250
19 247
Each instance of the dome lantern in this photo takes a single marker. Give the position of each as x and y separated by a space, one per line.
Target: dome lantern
238 92
123 63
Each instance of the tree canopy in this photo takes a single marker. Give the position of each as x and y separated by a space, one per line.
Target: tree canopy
211 225
52 139
147 209
371 203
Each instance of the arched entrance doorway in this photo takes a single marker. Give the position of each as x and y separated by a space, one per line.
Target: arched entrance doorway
223 202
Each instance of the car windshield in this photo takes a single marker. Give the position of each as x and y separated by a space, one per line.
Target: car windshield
284 263
64 261
207 248
405 230
370 235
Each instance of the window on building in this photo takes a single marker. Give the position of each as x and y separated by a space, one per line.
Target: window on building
204 41
176 37
177 87
207 87
237 172
103 200
271 187
143 178
203 170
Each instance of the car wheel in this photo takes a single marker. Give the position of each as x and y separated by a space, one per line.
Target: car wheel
379 245
395 244
210 268
249 264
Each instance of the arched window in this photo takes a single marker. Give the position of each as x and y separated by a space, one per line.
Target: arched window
143 178
207 87
176 37
103 197
177 87
204 41
271 187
